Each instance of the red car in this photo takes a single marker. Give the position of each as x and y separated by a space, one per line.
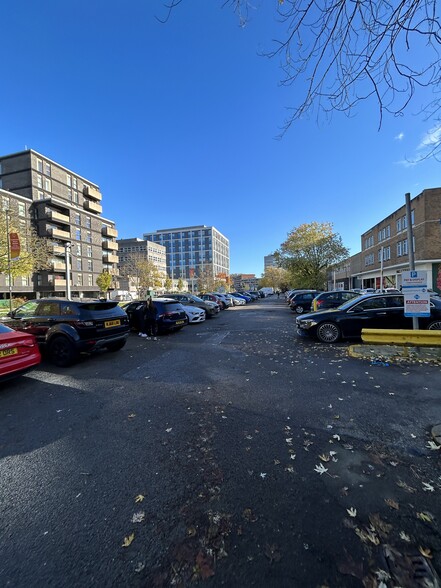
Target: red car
18 353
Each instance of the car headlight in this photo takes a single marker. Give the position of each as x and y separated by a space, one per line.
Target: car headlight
306 323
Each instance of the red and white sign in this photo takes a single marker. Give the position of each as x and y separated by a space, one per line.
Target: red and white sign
14 241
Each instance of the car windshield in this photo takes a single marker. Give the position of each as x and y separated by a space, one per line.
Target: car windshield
197 299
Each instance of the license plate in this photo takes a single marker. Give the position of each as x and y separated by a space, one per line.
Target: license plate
180 322
108 324
7 352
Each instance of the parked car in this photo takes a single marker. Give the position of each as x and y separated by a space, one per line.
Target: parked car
332 299
387 291
19 353
226 299
243 296
301 301
211 308
370 311
170 314
194 314
253 295
65 328
238 301
213 298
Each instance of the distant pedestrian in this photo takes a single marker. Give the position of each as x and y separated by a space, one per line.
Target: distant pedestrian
151 323
140 319
278 293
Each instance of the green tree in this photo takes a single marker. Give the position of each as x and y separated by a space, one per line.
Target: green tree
275 277
141 272
168 283
180 285
309 251
103 282
35 251
206 280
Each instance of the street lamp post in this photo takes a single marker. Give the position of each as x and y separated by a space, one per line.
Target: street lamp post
67 248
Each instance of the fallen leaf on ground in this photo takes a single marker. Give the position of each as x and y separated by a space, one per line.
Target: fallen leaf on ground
390 502
428 487
139 498
352 512
425 516
425 552
320 469
128 540
138 517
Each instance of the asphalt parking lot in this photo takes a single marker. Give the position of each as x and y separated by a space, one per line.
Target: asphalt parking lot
230 453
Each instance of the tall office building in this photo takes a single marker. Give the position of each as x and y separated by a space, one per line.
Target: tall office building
269 261
192 250
65 208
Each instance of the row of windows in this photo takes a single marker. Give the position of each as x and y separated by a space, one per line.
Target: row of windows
88 237
402 249
44 167
87 220
181 235
385 232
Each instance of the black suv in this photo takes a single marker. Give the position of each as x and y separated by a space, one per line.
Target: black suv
64 328
170 314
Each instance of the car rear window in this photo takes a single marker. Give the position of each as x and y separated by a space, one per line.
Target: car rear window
168 306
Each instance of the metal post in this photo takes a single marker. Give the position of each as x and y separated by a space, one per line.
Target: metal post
7 212
415 324
67 247
381 267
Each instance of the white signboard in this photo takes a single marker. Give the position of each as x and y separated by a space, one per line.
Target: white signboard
416 296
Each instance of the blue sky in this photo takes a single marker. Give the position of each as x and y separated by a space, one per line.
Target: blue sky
177 123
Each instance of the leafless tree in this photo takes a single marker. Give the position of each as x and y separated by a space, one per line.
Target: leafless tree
343 52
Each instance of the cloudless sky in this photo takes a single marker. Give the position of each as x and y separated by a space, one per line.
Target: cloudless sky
177 123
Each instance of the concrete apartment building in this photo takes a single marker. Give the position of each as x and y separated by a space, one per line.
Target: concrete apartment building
129 250
388 240
65 208
191 250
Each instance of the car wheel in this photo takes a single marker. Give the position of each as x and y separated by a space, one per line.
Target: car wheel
62 351
328 333
299 309
435 326
116 346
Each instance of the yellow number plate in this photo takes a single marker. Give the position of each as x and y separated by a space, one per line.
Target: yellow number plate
108 324
6 352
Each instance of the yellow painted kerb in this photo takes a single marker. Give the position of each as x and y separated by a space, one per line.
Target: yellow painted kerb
402 337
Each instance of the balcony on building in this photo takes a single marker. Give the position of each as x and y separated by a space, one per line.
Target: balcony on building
109 232
92 206
92 193
110 245
57 216
59 266
58 233
58 250
109 258
58 282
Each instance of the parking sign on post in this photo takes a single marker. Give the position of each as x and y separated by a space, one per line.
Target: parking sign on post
416 296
